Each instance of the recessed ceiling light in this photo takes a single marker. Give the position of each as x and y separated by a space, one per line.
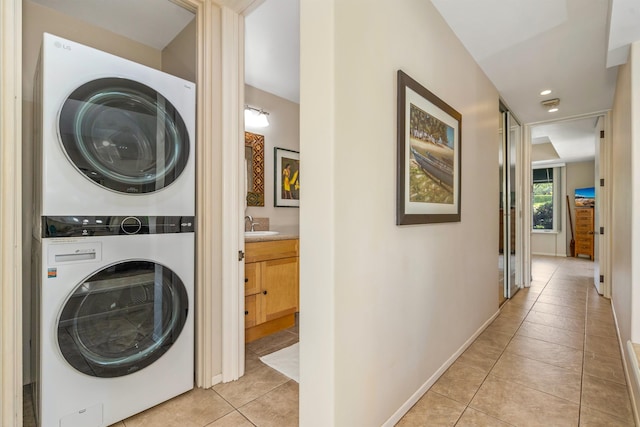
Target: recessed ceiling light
545 92
553 110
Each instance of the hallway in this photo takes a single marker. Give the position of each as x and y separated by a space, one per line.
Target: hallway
551 358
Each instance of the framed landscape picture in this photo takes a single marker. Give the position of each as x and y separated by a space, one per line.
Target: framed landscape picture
287 178
428 159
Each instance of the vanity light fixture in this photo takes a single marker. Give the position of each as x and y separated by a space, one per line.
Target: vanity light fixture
255 117
545 92
551 104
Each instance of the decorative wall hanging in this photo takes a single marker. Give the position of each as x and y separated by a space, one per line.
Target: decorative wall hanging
254 156
287 178
429 156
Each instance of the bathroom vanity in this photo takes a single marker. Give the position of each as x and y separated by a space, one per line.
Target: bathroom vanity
271 285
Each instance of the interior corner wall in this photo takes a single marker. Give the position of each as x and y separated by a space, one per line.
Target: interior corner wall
283 132
36 20
579 175
179 56
405 298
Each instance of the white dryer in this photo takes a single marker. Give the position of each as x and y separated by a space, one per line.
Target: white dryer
114 309
113 137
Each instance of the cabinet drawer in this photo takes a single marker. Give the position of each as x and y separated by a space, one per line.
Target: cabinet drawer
584 247
250 314
251 278
583 227
584 213
275 249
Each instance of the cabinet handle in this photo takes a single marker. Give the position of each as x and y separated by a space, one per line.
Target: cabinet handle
246 312
264 292
246 279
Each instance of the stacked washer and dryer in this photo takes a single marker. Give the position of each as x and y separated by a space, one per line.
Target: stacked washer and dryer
113 236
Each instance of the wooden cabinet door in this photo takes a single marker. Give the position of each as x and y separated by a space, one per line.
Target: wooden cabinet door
250 313
279 288
251 278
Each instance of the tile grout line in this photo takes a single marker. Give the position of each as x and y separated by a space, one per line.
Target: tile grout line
504 349
499 357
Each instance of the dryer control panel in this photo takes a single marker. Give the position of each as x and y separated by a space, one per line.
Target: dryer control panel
85 226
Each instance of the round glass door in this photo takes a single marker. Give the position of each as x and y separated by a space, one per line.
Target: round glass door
122 319
124 136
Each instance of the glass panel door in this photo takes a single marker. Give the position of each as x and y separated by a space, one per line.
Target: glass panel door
508 180
512 182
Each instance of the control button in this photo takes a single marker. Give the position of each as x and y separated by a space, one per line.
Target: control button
131 225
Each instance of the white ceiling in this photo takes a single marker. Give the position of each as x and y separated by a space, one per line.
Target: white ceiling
272 48
575 141
526 46
150 22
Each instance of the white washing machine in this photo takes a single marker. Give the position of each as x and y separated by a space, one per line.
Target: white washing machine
113 137
114 329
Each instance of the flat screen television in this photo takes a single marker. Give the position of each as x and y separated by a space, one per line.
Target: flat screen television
585 197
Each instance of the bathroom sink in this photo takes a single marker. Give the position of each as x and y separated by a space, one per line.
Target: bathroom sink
260 233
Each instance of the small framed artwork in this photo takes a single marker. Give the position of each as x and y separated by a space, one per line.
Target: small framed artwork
287 178
429 155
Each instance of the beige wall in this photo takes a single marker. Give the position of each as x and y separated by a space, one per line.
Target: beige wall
283 132
579 175
622 203
384 307
625 221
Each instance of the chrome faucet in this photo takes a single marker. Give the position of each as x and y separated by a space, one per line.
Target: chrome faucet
251 223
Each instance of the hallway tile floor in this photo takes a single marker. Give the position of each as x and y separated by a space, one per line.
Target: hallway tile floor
551 358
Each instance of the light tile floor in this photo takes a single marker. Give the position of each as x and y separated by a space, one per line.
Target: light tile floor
262 397
551 358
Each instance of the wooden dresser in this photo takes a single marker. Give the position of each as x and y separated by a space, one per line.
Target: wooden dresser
584 232
271 287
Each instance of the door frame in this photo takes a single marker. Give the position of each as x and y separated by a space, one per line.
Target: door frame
605 173
11 212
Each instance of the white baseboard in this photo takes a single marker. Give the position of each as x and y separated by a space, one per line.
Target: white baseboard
628 357
549 254
216 379
393 420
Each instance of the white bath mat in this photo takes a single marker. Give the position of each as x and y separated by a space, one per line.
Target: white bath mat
285 361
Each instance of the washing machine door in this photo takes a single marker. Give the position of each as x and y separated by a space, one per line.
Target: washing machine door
123 135
122 318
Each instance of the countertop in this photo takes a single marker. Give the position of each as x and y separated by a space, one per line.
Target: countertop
281 236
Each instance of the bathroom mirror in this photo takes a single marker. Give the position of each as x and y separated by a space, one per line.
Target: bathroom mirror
254 156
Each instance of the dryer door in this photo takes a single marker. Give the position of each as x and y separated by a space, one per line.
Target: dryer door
123 135
122 318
